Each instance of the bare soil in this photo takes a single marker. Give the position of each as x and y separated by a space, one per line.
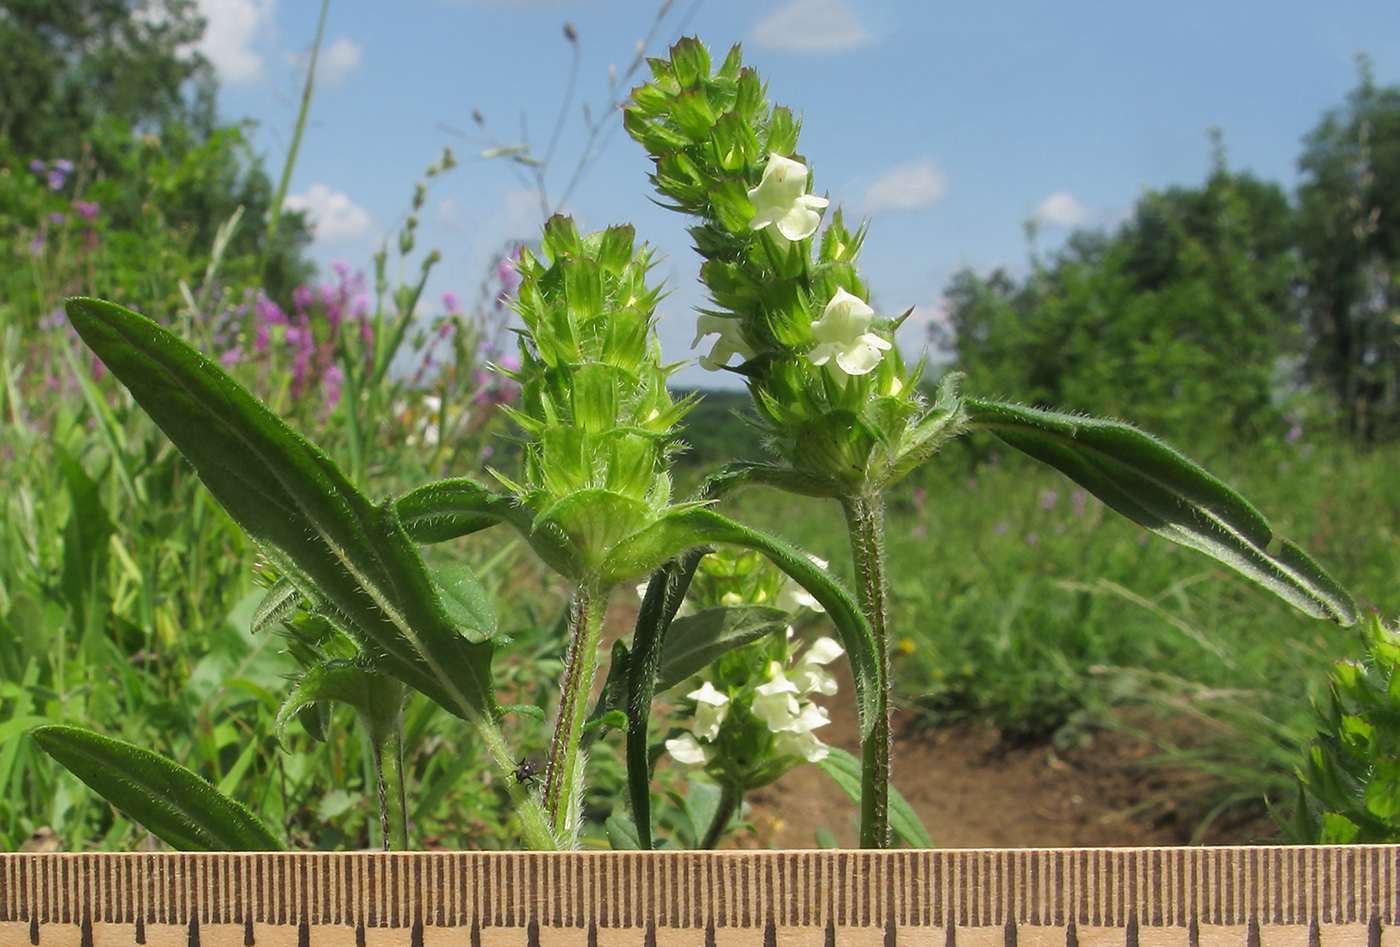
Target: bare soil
972 791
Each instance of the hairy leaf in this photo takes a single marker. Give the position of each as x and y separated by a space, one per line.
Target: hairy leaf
288 495
174 803
1153 485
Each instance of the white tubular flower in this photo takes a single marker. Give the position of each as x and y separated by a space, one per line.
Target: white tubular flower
805 745
686 749
730 342
844 343
775 703
809 674
711 707
782 202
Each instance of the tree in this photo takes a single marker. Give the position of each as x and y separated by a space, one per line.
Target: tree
115 86
66 65
1177 321
1349 235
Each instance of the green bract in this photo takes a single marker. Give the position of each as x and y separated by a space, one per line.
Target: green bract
834 394
594 407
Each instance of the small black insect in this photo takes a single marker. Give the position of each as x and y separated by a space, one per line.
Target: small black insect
526 771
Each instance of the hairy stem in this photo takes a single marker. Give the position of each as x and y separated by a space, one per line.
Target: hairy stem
563 776
865 521
729 801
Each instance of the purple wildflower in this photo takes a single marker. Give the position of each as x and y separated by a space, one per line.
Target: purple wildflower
56 218
510 362
1048 500
64 165
1001 528
57 179
86 209
269 312
261 338
1078 498
341 269
231 357
331 383
302 297
450 303
37 166
1032 539
36 246
53 320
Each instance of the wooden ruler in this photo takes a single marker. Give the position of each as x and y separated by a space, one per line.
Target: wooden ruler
1342 896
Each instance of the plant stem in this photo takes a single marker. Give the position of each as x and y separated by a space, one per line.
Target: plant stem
729 801
393 803
865 521
281 195
563 776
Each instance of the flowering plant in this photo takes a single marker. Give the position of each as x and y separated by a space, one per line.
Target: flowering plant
844 413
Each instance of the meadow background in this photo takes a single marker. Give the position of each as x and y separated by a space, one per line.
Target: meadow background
1254 324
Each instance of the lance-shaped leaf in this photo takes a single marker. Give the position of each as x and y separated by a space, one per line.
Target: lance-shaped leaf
694 642
1153 485
447 509
289 496
174 803
376 698
687 529
663 598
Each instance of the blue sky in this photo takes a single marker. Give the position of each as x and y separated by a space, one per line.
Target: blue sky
947 124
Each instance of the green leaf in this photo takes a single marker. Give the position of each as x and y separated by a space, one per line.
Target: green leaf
686 529
702 801
376 698
1337 829
622 834
320 531
437 512
466 601
85 543
845 769
1153 485
663 597
694 642
171 801
1383 790
277 605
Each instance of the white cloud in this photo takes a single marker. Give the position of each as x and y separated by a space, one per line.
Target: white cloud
233 27
916 186
336 218
1062 209
338 60
809 26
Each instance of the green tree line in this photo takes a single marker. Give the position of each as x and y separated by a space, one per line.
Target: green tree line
113 96
1229 310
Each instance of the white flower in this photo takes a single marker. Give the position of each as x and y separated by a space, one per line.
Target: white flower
842 334
792 596
730 342
775 703
711 707
686 749
804 745
781 201
809 676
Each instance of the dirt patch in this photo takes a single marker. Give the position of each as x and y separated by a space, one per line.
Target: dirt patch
972 791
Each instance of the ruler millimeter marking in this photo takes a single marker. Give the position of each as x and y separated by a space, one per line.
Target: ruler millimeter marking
1347 896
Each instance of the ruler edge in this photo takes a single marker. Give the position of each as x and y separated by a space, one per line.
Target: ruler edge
1107 887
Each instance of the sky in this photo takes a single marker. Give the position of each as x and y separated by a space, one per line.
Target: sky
948 125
